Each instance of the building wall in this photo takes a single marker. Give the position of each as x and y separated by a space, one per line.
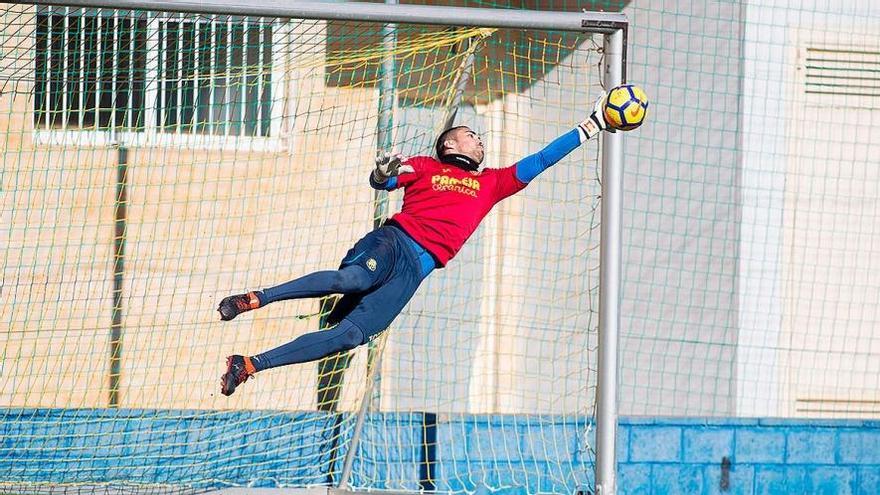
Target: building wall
808 221
201 223
474 453
679 327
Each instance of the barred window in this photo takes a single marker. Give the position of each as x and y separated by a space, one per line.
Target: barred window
106 70
90 72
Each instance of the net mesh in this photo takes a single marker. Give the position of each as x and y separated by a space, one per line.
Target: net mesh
155 163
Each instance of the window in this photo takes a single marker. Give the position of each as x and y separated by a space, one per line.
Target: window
215 77
90 72
120 71
847 73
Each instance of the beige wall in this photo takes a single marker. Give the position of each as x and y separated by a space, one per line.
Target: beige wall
57 213
201 224
57 237
829 352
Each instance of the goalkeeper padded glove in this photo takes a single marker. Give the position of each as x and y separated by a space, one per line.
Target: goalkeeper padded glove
596 123
390 165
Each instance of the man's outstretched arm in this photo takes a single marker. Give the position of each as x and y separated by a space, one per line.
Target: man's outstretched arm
529 167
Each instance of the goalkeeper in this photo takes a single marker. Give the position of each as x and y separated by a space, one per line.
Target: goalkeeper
444 201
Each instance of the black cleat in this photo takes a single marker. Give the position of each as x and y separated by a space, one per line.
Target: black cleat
238 370
232 306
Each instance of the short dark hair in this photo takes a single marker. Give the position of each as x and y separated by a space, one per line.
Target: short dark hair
438 147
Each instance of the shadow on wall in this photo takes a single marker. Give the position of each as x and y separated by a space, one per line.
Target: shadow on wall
498 60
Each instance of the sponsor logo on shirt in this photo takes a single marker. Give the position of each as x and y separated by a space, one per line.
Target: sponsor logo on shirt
371 264
466 185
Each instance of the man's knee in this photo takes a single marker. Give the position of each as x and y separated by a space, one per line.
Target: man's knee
352 335
351 279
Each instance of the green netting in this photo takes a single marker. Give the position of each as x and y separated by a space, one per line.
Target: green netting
158 162
239 150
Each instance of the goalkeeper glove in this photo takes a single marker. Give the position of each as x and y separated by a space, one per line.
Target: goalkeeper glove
596 123
390 165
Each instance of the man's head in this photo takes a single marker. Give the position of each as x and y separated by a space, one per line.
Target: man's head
460 146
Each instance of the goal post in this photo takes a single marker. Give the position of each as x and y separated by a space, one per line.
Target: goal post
610 280
174 151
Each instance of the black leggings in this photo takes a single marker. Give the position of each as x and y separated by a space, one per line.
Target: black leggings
347 280
345 336
312 346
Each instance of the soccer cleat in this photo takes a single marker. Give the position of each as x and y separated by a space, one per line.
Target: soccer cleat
238 370
232 306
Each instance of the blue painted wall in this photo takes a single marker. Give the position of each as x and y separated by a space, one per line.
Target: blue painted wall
672 456
657 456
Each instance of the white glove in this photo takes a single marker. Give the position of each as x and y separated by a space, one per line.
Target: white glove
390 165
595 123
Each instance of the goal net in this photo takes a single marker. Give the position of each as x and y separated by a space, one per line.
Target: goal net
154 163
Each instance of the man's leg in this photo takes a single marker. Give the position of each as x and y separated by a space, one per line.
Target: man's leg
372 313
346 280
312 346
309 347
343 307
360 316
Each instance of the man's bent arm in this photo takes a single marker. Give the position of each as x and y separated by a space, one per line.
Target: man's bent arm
389 185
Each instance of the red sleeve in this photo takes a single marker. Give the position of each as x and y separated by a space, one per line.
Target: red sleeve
418 164
506 183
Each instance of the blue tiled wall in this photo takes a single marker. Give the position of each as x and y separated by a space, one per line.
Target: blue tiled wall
191 448
670 456
657 456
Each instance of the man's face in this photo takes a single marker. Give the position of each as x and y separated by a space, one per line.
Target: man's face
466 142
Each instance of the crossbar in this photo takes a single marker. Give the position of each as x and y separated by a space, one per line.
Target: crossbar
596 22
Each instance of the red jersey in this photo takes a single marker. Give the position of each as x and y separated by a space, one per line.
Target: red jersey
443 204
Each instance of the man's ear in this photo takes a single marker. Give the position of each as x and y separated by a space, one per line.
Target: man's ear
448 143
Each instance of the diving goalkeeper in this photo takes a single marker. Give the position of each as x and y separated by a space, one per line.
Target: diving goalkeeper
443 203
